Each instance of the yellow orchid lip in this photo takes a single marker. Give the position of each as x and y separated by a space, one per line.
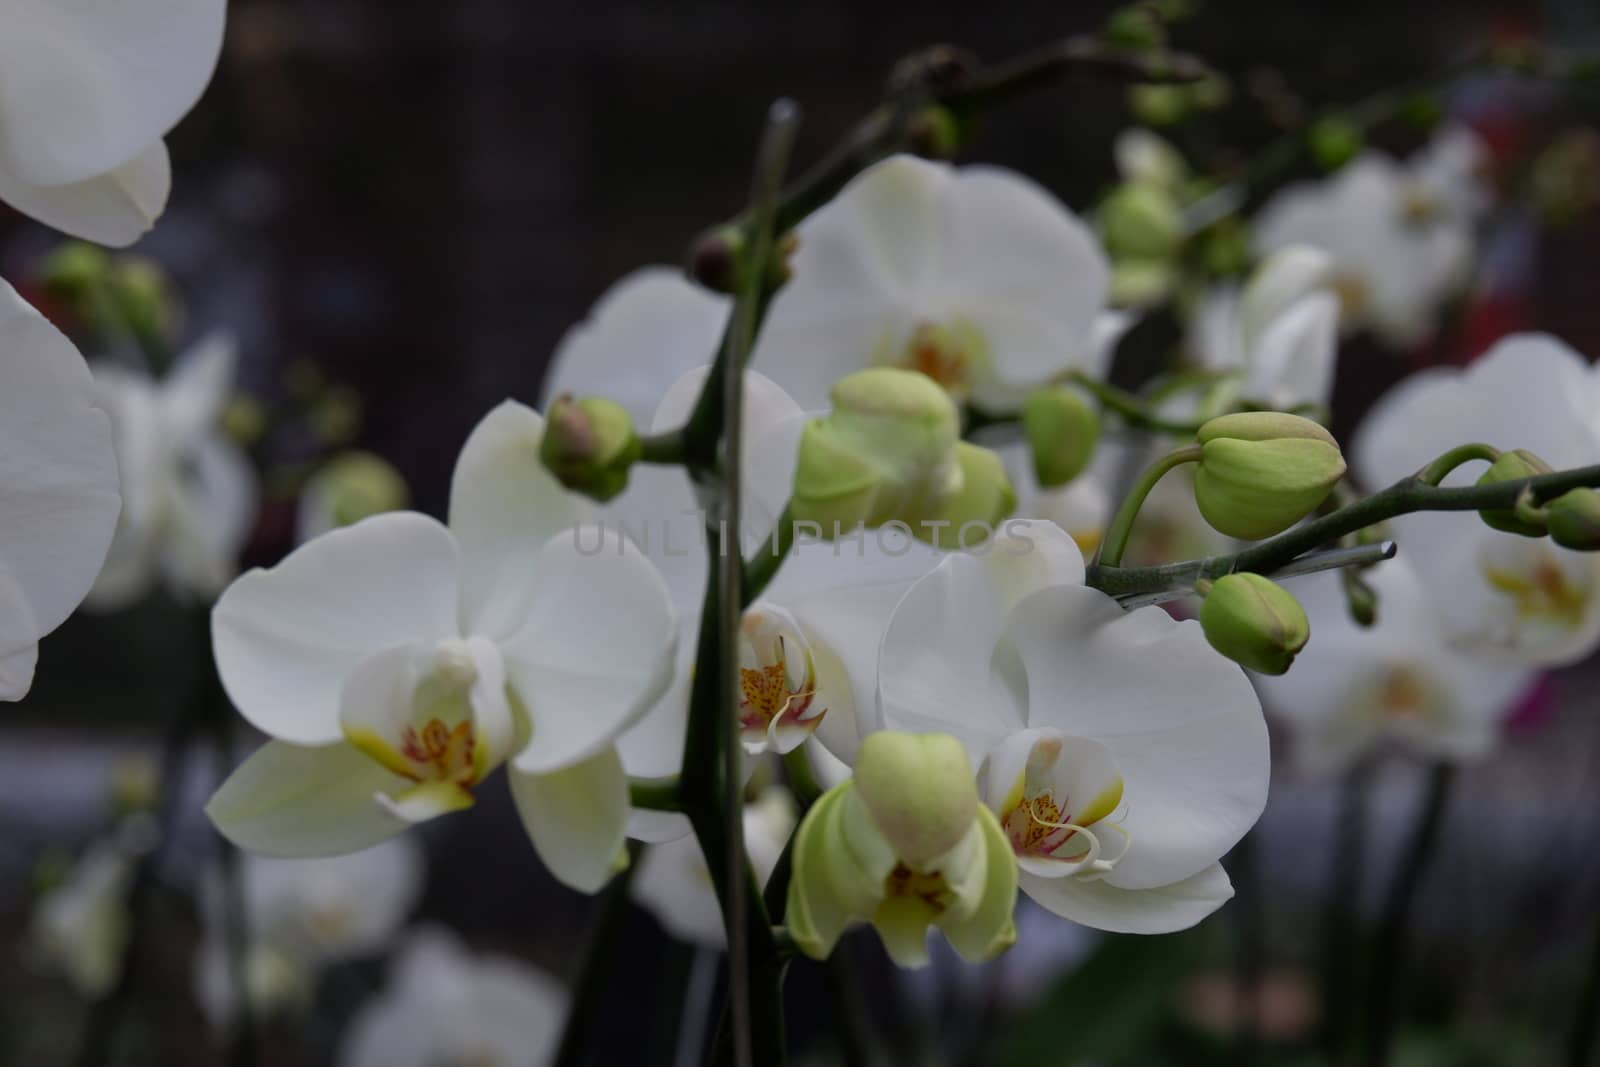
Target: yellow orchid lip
433 752
1542 591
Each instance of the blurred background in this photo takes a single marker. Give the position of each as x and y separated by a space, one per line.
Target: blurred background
399 207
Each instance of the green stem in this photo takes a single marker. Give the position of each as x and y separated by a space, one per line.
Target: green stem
664 448
1116 540
1405 496
1386 984
801 781
655 794
1440 469
1339 926
761 568
590 991
1133 409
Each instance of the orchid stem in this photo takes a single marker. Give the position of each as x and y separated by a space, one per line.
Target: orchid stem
1346 864
1402 498
1440 469
663 449
655 794
1116 540
1133 409
1387 984
1581 1042
589 986
761 568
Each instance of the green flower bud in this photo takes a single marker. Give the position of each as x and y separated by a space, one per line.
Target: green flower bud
919 791
1261 472
714 258
984 498
1511 467
934 133
356 485
1062 428
1210 93
145 296
1254 622
74 268
589 445
1574 519
1140 220
1141 283
1334 141
1135 27
244 420
887 452
337 414
1158 105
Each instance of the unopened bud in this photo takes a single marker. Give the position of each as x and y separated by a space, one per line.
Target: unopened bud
970 514
1140 220
1261 472
1254 622
356 485
1511 467
886 452
934 133
714 258
1334 141
1574 519
1062 428
74 268
244 420
590 445
1148 157
145 296
1158 105
1136 28
1210 93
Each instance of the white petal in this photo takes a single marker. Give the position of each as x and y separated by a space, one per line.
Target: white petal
1183 724
596 648
113 208
58 476
210 515
16 672
846 628
576 817
286 638
644 333
674 885
1021 267
1283 280
85 86
504 506
1160 910
196 390
286 800
1292 361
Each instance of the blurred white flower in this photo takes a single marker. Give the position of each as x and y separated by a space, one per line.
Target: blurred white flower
1279 334
189 494
87 91
349 487
446 1005
79 928
398 662
975 276
1353 689
58 486
1516 599
302 914
1122 756
674 884
1401 234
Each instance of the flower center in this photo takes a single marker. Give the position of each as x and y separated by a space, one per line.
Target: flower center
1419 207
1542 590
1355 296
777 682
1040 826
1404 695
433 737
943 354
929 887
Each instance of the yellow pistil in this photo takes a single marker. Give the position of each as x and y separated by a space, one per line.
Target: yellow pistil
1543 591
1353 293
1419 207
1403 696
929 887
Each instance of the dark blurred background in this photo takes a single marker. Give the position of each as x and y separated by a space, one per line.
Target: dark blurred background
419 198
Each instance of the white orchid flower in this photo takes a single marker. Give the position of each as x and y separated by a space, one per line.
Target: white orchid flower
79 929
674 884
975 276
397 662
87 92
444 1004
1121 755
1518 599
645 345
189 494
58 486
1401 234
302 914
1353 689
1279 332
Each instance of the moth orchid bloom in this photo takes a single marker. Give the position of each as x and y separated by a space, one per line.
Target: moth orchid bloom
444 1004
1355 689
1278 334
301 915
1519 599
906 846
58 486
645 345
674 884
1121 755
189 494
974 276
397 662
79 928
86 95
1400 234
